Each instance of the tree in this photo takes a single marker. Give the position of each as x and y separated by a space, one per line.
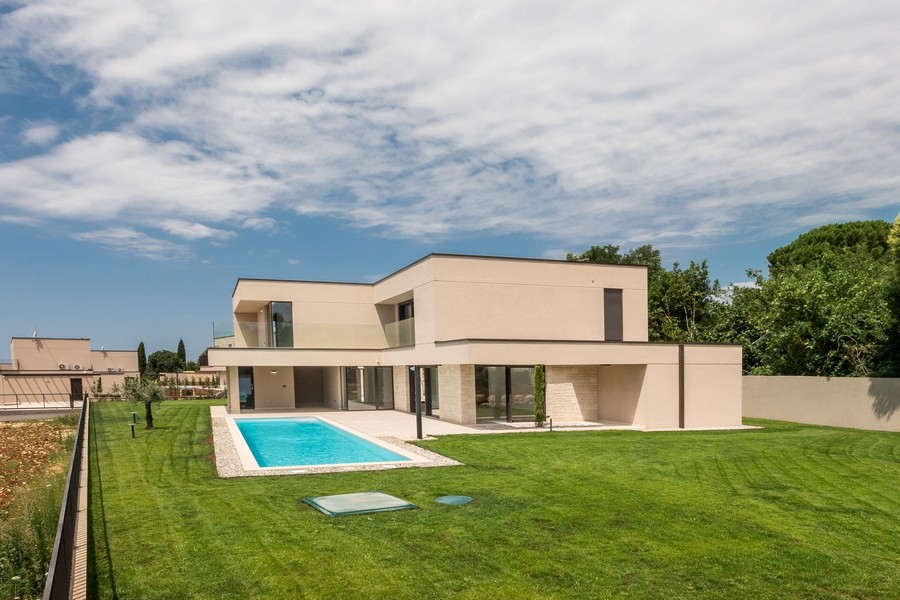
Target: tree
888 359
642 255
540 410
182 356
147 392
825 319
682 305
142 358
863 236
164 361
681 302
192 365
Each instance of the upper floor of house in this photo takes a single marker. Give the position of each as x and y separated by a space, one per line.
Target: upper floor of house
443 298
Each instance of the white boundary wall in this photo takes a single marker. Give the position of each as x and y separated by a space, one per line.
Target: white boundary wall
857 402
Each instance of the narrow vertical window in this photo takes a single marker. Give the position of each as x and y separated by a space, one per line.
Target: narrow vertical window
612 315
282 325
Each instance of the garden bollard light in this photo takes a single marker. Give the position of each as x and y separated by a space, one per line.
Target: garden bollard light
133 417
551 423
132 429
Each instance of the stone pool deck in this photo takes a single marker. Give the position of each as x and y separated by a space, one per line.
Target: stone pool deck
389 426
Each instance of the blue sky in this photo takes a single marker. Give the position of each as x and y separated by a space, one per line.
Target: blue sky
153 152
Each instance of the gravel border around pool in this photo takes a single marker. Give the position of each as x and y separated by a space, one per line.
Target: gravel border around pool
228 463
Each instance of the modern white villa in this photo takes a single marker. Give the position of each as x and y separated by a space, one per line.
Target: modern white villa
472 329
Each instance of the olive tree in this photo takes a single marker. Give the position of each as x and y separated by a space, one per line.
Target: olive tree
147 392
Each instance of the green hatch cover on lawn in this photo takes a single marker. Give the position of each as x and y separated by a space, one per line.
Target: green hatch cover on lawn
357 504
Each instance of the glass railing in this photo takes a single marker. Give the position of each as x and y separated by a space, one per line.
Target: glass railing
223 330
326 335
400 333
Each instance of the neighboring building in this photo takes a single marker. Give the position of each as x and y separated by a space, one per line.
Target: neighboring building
208 381
472 328
60 370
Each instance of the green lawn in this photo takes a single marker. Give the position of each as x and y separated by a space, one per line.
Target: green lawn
785 512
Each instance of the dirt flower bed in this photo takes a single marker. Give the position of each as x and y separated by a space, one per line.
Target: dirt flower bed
26 448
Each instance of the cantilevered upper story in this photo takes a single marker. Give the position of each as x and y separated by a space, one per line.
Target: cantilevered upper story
440 301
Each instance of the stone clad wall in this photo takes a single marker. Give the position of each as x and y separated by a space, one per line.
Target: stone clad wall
456 386
573 393
401 388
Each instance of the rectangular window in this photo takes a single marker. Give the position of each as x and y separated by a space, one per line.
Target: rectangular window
612 315
282 324
405 311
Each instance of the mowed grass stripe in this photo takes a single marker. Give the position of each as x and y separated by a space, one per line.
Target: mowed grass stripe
785 512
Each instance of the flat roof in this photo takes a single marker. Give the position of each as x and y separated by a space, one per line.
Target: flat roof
437 255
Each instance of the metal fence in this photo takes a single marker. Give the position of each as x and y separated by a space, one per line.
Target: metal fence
61 575
37 400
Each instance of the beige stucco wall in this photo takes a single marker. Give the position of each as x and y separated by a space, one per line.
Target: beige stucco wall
858 402
285 357
46 354
712 395
38 388
234 400
325 315
120 361
619 389
331 386
479 297
273 390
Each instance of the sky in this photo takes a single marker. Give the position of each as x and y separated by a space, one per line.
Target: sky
152 152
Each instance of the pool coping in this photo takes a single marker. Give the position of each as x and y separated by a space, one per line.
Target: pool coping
234 459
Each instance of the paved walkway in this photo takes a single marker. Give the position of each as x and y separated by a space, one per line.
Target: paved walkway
400 425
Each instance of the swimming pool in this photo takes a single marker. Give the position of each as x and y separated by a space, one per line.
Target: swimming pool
309 441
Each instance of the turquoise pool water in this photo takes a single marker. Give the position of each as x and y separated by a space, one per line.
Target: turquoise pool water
308 441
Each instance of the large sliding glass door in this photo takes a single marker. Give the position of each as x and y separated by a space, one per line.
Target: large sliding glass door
367 388
504 393
521 393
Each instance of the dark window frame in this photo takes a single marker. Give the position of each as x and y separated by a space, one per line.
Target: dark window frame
613 315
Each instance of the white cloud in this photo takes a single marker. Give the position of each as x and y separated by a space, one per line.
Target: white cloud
40 135
194 231
620 121
134 242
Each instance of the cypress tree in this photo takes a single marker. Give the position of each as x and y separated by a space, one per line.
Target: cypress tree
182 356
142 359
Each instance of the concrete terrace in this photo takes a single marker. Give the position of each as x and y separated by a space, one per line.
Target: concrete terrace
388 426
